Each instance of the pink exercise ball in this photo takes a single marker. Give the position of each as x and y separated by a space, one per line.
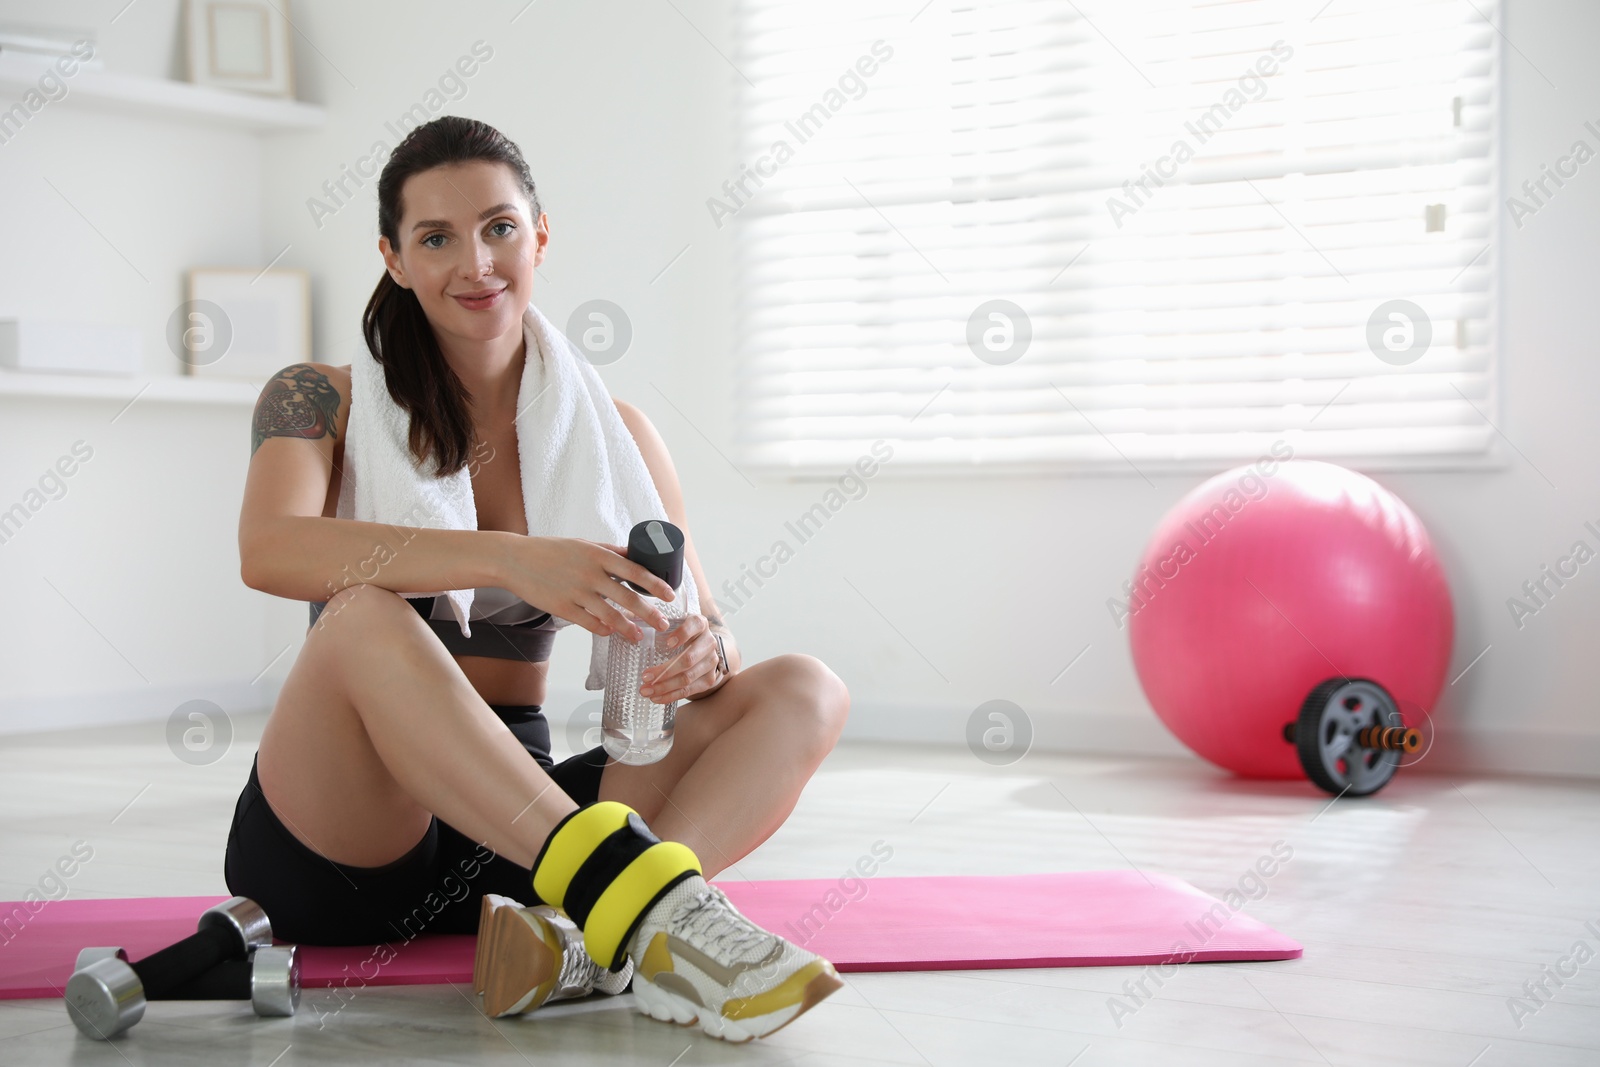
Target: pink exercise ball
1269 579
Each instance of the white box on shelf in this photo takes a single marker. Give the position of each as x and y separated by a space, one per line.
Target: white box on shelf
240 322
70 347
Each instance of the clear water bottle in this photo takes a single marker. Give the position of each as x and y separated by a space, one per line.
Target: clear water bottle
635 728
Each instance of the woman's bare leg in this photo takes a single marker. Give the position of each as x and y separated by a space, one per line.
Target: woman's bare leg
739 759
376 727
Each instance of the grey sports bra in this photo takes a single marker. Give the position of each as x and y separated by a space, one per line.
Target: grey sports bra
503 627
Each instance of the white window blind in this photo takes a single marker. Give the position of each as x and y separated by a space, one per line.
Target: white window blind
1206 318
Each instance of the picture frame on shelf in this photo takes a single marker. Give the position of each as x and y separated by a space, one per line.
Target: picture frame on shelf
242 45
242 323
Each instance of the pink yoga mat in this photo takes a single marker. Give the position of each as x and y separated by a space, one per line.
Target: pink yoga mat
1070 919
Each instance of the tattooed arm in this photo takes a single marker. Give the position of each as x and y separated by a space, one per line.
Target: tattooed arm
299 402
288 548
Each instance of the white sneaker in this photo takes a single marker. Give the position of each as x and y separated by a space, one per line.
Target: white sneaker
531 956
696 958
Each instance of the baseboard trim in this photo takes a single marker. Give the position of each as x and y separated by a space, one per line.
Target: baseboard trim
1554 754
1558 755
149 703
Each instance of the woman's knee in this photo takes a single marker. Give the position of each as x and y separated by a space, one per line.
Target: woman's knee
822 692
358 604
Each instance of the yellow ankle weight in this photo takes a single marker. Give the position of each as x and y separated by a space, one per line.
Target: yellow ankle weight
605 869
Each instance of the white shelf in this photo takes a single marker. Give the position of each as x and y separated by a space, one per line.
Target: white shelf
169 387
161 97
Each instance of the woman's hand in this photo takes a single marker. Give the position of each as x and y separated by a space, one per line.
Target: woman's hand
694 665
573 578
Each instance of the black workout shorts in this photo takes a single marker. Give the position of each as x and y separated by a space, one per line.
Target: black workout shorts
434 888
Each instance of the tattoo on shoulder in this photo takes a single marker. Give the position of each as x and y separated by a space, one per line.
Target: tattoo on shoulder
298 402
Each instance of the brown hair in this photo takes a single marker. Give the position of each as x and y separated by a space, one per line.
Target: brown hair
414 368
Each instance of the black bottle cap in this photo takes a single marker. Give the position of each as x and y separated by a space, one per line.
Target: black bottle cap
657 546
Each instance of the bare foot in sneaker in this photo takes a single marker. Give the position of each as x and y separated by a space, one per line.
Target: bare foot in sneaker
696 958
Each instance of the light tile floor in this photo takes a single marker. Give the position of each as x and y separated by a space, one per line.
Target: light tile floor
1423 912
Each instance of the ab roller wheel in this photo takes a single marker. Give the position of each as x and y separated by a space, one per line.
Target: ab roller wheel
1350 736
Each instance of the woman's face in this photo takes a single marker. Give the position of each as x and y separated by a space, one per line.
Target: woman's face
465 231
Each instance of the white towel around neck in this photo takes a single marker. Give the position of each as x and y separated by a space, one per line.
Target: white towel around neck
582 472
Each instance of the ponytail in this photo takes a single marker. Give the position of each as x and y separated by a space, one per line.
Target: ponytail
419 379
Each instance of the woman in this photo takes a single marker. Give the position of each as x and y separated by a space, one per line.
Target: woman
393 789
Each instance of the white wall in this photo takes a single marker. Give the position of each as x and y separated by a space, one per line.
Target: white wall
125 592
625 114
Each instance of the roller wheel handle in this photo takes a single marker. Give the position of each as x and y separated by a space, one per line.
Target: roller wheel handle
1407 739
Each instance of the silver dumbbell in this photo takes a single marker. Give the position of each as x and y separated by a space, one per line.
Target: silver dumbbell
106 994
269 979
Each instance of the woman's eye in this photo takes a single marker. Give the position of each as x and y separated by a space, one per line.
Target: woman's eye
431 236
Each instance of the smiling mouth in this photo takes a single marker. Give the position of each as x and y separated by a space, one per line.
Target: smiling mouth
483 299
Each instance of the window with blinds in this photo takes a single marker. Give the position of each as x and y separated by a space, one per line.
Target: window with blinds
1042 234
